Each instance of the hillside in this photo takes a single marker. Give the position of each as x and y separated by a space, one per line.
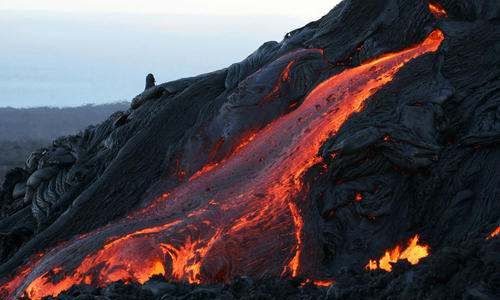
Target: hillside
24 130
355 159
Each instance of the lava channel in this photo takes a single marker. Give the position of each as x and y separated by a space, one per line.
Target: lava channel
244 216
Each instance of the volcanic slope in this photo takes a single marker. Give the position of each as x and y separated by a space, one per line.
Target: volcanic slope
359 154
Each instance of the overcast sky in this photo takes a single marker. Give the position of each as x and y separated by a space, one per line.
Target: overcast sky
72 52
298 8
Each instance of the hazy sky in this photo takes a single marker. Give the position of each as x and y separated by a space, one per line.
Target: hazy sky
298 8
73 52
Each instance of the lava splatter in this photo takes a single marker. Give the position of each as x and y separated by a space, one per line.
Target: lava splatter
413 254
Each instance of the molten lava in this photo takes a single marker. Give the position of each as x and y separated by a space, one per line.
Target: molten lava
437 10
494 233
413 254
318 282
243 216
323 283
283 78
358 197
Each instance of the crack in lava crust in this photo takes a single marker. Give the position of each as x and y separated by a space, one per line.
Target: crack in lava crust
242 217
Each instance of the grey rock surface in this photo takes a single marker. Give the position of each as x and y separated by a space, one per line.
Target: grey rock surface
423 154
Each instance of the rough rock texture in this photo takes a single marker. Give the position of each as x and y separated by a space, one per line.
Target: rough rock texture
422 155
240 288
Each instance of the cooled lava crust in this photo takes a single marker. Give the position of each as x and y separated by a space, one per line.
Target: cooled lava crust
356 159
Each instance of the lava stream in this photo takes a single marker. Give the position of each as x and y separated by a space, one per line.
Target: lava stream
244 216
494 233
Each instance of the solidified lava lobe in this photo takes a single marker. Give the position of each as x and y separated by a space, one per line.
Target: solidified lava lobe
243 216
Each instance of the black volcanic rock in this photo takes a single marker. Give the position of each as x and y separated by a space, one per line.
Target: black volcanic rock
159 289
421 157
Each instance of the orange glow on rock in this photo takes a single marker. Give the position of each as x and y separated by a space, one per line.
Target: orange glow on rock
117 260
205 169
323 283
358 197
372 265
245 141
9 287
318 282
413 254
209 167
215 149
241 218
283 78
494 233
187 260
437 10
181 174
294 264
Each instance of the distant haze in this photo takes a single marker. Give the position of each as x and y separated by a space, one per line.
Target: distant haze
297 8
61 57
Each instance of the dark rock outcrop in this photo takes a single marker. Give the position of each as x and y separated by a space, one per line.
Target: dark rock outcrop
150 81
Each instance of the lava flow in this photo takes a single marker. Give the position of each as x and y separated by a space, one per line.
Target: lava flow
494 233
245 216
318 282
284 77
413 254
437 10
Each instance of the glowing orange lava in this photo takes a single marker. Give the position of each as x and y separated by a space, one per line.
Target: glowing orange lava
205 169
318 282
372 265
293 265
210 166
116 260
241 217
437 10
188 258
358 197
323 283
413 254
245 141
284 77
494 233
